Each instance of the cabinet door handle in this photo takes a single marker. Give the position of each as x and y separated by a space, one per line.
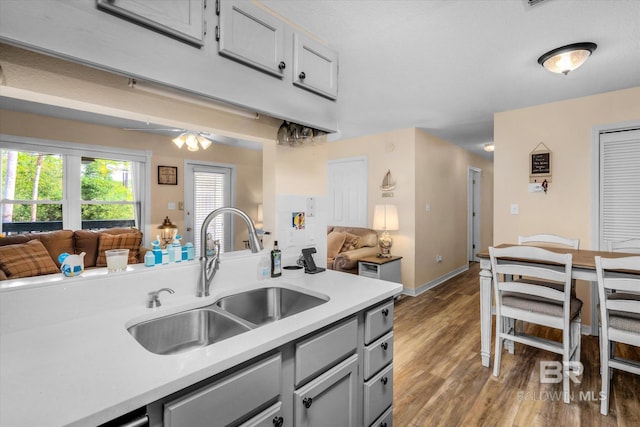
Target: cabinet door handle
278 421
385 312
302 76
307 401
384 345
282 65
384 380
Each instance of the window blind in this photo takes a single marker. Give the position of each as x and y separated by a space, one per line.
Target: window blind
209 194
619 186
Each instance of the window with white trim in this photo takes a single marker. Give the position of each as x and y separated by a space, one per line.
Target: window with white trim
48 185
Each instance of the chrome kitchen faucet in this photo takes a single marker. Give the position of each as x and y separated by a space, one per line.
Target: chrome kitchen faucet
210 264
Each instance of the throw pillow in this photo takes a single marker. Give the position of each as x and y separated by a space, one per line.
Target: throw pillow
351 242
335 240
131 241
26 260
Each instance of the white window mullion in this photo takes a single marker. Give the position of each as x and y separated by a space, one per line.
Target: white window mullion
72 193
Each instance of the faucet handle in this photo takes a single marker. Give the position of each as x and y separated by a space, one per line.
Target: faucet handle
153 299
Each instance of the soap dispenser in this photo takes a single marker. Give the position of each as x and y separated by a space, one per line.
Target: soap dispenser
157 252
176 248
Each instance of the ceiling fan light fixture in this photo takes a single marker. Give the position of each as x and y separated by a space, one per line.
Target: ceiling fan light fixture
567 58
192 142
179 140
204 142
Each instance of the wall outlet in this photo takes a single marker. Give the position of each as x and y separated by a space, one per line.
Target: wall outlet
439 258
515 209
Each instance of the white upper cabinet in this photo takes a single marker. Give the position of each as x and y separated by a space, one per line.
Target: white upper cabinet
315 66
183 19
252 36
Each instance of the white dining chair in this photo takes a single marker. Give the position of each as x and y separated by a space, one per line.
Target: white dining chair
536 302
549 238
631 246
619 317
555 239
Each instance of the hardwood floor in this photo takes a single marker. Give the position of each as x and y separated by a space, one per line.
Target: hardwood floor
439 379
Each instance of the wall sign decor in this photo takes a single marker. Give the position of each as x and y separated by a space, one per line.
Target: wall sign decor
540 164
168 175
388 184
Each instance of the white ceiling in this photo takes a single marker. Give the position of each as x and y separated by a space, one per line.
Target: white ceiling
446 66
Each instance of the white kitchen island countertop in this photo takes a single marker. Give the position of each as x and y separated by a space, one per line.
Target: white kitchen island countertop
66 357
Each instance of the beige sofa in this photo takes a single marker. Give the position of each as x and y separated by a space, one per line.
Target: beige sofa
346 245
35 254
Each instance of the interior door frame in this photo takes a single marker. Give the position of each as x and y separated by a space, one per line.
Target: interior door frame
473 222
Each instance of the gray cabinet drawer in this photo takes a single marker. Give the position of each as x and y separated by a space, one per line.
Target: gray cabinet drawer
378 321
378 394
385 420
321 351
267 418
224 401
377 355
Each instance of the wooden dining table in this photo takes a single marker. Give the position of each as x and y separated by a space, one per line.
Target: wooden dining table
583 268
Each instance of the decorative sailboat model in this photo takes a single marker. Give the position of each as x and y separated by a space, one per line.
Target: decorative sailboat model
387 182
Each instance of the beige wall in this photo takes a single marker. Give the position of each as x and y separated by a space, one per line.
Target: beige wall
425 169
441 181
389 151
565 127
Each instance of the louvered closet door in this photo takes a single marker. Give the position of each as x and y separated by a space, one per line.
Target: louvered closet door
208 188
619 186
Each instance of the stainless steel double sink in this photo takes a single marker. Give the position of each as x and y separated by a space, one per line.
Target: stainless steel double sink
225 318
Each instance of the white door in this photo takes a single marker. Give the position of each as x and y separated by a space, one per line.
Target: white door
473 213
619 186
208 187
347 192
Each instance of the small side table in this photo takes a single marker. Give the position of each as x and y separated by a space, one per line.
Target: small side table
381 268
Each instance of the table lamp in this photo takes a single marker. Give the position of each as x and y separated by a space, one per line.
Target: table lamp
385 219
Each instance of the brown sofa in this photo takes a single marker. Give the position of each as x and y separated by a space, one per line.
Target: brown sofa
346 245
19 258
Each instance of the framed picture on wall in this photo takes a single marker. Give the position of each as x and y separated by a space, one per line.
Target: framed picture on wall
168 175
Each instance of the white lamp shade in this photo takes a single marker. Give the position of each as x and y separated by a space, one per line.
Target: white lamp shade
385 217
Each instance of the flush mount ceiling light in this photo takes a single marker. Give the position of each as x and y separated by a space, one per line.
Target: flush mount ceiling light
567 58
489 147
192 140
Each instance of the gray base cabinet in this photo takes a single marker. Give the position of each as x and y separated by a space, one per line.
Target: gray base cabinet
229 399
340 375
330 399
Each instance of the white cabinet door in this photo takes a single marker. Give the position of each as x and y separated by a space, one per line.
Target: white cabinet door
252 36
315 66
180 18
330 399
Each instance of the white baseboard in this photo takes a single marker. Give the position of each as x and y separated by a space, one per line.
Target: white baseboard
435 282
